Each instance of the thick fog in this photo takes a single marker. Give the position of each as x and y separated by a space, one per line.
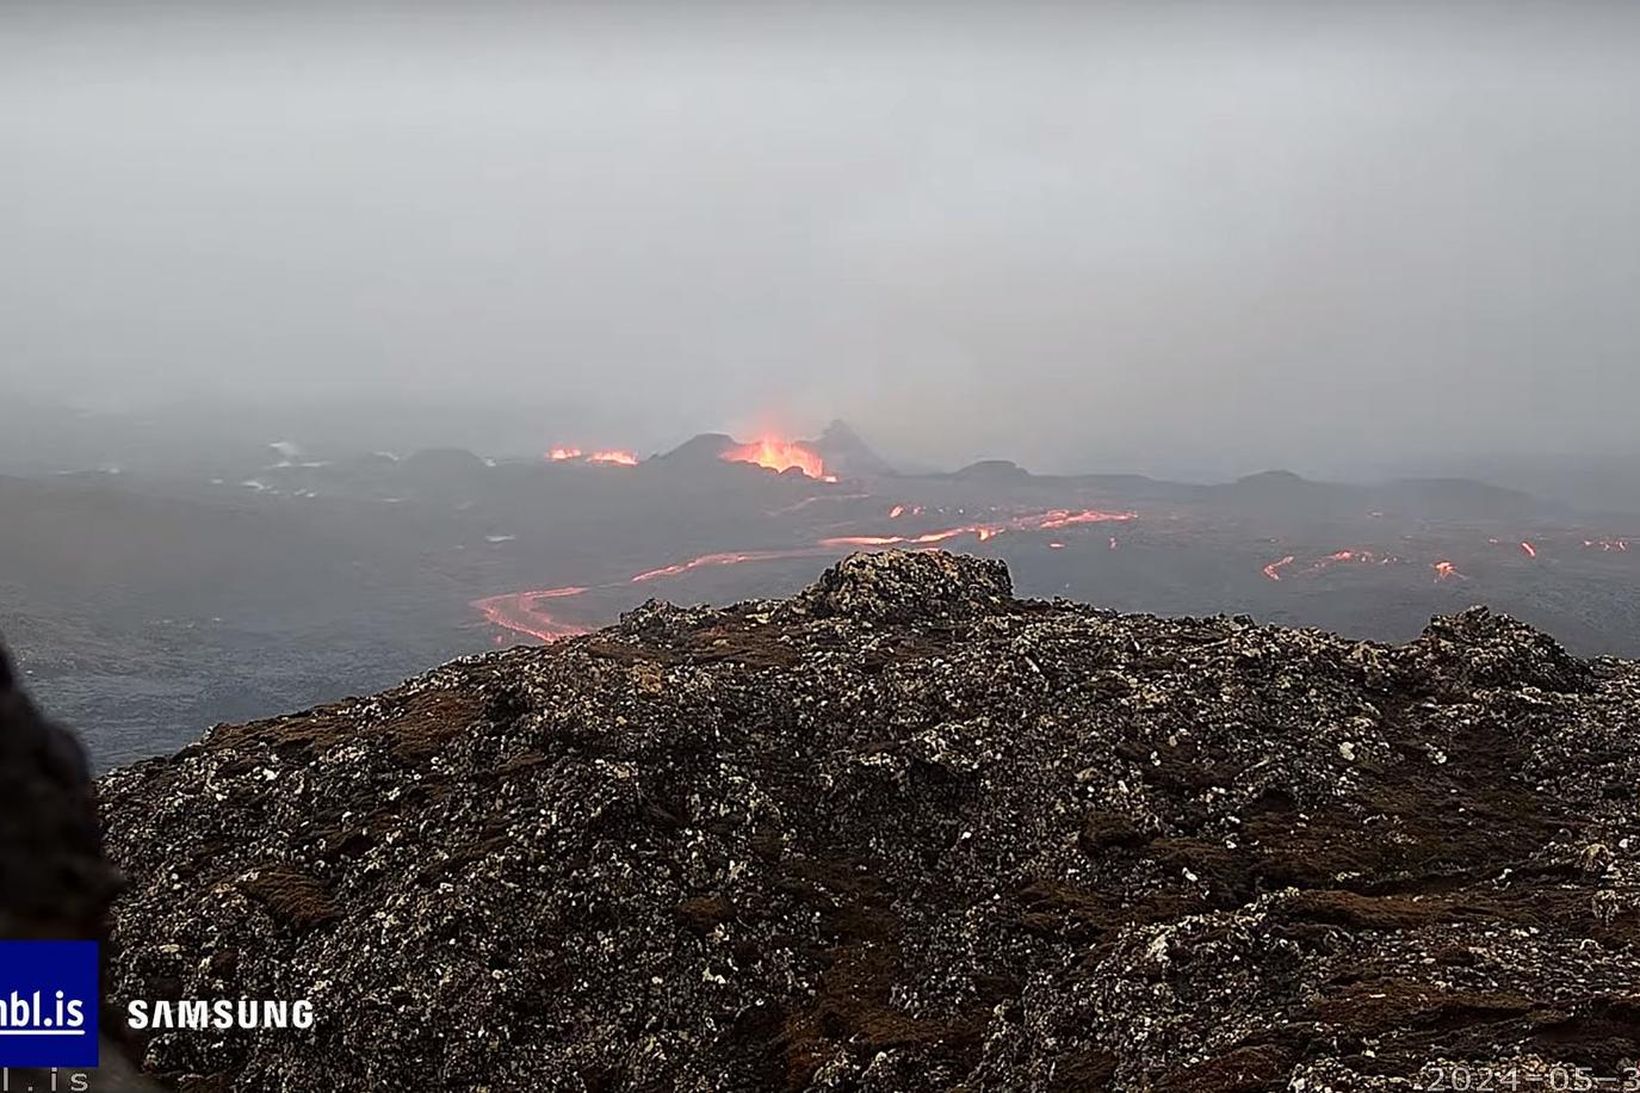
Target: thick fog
1144 237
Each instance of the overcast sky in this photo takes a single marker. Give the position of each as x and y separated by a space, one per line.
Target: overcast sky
1300 235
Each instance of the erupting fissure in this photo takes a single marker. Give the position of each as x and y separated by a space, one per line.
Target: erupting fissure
526 612
781 455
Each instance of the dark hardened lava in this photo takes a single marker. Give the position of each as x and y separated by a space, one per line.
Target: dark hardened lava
904 832
55 884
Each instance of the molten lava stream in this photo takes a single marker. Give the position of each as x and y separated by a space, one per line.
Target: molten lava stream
1060 518
1273 570
727 558
521 613
927 539
1052 520
1352 557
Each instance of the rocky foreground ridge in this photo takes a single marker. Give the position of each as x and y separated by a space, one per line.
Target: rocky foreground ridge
904 831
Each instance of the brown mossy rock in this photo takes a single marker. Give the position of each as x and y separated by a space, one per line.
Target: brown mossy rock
907 586
906 832
1478 648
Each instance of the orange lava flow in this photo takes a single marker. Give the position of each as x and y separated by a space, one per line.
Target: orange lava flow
725 558
780 455
1528 549
616 458
1273 570
1351 557
522 613
1445 571
1060 518
1052 520
926 539
559 455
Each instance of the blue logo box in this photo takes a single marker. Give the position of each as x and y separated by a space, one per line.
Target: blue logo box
48 1004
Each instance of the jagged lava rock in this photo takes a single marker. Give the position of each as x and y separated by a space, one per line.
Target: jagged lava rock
907 832
905 588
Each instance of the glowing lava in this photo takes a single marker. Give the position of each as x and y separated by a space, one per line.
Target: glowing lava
926 539
522 613
780 455
1528 549
1351 557
1061 518
1273 570
1052 520
1446 571
613 457
734 557
1327 561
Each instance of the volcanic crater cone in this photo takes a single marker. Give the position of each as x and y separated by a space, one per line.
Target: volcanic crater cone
905 831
